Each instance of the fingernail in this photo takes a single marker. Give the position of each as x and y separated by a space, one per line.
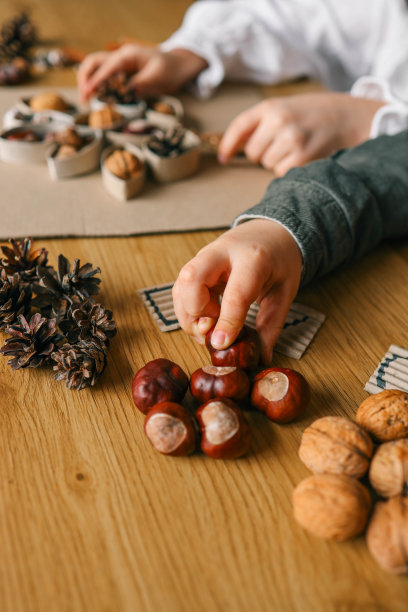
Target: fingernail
204 324
219 340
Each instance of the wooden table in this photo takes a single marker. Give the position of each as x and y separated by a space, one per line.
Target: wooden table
93 519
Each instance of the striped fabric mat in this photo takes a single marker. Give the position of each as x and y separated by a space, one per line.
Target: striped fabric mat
392 371
300 328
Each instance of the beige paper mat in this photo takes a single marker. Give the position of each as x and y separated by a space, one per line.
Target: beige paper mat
32 204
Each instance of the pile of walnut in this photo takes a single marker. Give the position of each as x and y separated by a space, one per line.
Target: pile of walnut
334 504
221 389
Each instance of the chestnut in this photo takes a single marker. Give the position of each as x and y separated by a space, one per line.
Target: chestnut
213 381
171 429
159 380
225 433
244 352
281 393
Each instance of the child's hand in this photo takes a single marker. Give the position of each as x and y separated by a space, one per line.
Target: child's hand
155 72
256 261
281 133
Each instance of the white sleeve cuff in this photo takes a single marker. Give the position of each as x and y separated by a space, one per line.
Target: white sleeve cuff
391 118
209 79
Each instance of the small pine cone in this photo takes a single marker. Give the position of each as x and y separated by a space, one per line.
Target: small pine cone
31 342
15 298
80 365
88 321
17 36
57 291
23 259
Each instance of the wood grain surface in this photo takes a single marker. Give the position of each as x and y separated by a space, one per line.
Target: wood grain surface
92 519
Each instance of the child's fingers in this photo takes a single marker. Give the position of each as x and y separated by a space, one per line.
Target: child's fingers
290 141
149 79
88 67
237 133
271 318
243 287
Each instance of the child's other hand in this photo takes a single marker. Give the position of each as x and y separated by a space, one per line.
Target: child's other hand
155 72
256 261
281 133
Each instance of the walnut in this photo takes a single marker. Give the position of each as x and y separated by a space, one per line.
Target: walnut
336 445
65 151
103 118
123 164
332 506
385 415
387 534
389 468
48 100
69 136
163 107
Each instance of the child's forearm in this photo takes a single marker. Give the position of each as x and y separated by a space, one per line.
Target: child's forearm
342 207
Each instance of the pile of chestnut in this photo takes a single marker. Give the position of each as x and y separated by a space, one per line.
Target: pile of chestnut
221 389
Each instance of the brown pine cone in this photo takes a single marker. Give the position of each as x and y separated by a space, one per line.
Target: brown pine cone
56 291
168 144
22 258
15 298
31 342
88 321
80 365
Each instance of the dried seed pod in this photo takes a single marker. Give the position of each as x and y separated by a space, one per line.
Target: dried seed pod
389 468
212 381
387 534
332 506
385 415
336 445
171 429
225 433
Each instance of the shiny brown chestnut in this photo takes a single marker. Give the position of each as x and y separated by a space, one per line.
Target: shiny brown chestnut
244 352
225 433
160 380
171 429
281 393
213 381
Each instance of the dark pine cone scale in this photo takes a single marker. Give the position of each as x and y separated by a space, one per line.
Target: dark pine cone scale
80 365
31 342
88 321
15 298
22 258
169 143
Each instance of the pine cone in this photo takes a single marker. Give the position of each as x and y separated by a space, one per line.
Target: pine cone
23 259
31 343
57 291
15 298
88 321
168 144
80 365
17 36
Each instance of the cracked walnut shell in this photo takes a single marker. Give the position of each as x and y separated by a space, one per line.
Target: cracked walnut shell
104 117
387 534
389 469
385 415
332 506
336 445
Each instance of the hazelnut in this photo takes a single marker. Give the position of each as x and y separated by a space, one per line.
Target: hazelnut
65 151
104 117
123 164
171 429
225 433
336 445
244 352
48 101
387 534
385 415
163 107
70 137
212 381
281 393
332 506
389 468
160 380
